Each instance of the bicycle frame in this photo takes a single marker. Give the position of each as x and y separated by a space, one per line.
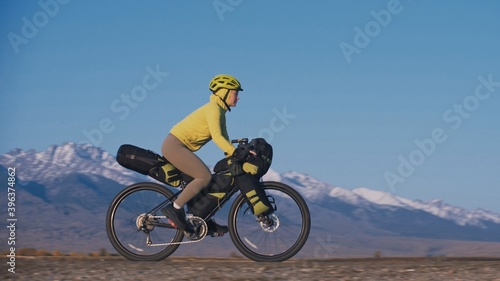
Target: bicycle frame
264 241
219 206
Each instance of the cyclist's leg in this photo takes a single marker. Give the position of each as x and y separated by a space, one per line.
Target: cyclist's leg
187 162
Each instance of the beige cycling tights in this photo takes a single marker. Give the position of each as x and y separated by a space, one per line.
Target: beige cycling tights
187 162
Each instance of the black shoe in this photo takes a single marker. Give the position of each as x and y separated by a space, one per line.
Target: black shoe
215 229
176 217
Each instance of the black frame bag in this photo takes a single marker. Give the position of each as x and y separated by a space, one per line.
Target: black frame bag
204 202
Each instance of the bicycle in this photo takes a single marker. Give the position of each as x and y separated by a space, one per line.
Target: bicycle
139 232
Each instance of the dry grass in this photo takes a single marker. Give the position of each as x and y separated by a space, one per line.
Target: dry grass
191 268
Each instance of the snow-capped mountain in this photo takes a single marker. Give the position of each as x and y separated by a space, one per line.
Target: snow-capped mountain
58 161
70 186
315 191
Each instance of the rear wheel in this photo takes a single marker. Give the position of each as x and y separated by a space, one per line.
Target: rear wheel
133 228
276 237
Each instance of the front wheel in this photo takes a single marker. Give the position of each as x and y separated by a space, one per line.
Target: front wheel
281 235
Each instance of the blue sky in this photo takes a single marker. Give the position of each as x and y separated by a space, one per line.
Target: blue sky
389 95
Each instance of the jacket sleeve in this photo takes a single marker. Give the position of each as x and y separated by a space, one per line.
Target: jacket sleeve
217 126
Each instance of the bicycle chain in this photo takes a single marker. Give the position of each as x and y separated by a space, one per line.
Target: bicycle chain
177 243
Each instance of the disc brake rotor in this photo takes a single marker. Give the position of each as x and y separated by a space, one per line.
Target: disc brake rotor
270 224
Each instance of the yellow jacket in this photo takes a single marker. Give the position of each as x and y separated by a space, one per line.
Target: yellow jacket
204 124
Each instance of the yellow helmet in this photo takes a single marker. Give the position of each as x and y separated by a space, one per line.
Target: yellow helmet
224 81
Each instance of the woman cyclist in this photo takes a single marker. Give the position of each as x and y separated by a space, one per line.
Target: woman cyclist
204 124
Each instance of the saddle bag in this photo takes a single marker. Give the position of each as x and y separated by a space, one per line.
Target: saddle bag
147 162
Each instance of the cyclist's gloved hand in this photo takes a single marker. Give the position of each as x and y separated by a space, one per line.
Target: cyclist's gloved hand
241 153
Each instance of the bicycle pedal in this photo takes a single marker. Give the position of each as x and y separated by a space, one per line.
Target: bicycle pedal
216 234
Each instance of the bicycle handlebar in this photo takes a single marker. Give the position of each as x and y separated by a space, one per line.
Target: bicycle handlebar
240 141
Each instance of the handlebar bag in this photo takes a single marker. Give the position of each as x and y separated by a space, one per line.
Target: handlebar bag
263 158
258 164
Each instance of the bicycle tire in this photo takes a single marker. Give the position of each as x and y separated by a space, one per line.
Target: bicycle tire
246 234
114 224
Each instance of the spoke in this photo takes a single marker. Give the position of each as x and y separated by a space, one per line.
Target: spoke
262 240
132 238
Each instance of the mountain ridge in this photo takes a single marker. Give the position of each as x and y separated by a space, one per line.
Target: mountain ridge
76 182
366 196
87 159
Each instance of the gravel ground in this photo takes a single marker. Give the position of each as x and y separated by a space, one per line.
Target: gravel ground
117 268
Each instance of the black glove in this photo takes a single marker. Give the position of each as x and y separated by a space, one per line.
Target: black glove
241 153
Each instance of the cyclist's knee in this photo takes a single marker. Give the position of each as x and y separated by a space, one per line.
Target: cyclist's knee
205 179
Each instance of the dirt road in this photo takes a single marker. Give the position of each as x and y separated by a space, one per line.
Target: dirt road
117 268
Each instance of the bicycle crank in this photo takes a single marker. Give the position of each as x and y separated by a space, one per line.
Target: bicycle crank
197 228
197 231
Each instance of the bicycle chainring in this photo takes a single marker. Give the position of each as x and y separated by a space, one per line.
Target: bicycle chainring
197 228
